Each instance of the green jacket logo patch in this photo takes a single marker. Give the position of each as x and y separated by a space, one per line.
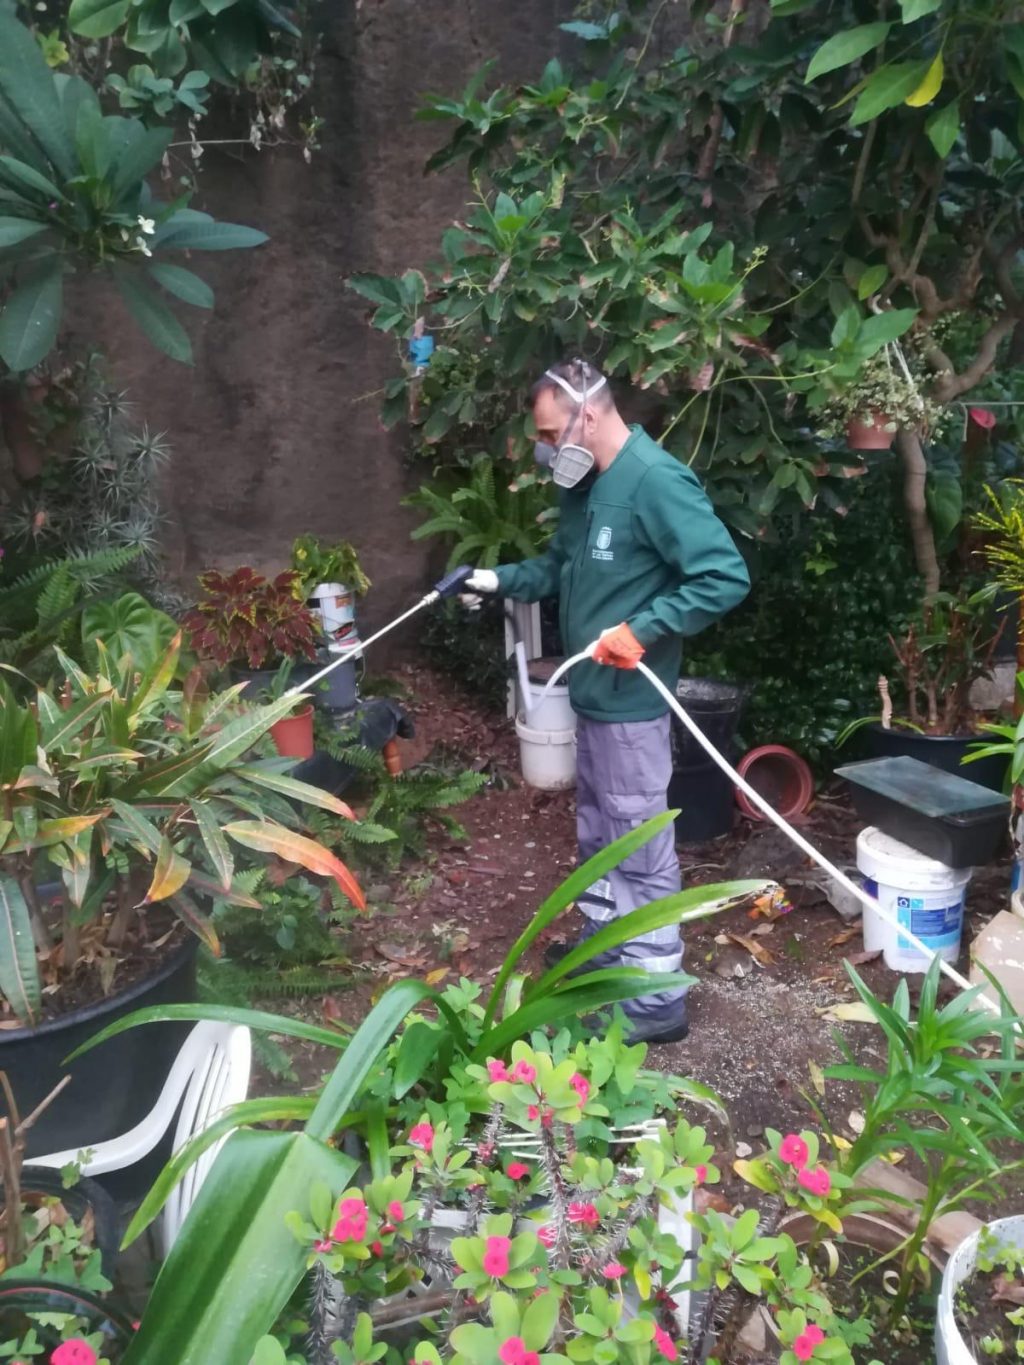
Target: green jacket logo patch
604 539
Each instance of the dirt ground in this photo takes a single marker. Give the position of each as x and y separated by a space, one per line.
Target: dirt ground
758 1019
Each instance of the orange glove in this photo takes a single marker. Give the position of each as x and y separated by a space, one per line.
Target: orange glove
618 646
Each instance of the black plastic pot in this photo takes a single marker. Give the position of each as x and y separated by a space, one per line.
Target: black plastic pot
113 1086
699 788
260 679
83 1196
939 751
22 1300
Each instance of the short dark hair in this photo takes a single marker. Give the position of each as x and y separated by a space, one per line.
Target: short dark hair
580 374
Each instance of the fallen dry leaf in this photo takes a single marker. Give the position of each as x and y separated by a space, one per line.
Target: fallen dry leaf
404 957
844 936
757 951
856 1012
859 959
438 974
817 1076
855 1122
1007 1290
705 1199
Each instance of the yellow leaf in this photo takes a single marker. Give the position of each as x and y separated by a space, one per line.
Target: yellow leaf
438 974
827 1217
170 873
856 1012
643 1281
817 1077
930 86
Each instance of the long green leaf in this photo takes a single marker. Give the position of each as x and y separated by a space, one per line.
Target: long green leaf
235 1263
71 722
183 284
216 844
50 832
29 87
30 317
362 1051
569 891
19 968
97 18
844 48
290 786
698 902
15 230
142 831
208 236
582 997
154 317
270 1110
242 733
261 1020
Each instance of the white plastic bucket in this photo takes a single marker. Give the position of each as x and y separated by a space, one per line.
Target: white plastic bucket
555 711
336 604
950 1347
547 757
924 895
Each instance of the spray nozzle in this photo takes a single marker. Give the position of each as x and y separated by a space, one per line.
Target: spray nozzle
453 582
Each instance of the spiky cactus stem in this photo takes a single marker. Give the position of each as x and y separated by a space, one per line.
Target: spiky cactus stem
332 1316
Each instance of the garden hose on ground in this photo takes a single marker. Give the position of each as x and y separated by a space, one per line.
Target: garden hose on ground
758 800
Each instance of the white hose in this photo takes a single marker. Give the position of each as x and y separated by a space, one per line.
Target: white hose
758 800
357 649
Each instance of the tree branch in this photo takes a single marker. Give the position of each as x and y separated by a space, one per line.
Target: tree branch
950 386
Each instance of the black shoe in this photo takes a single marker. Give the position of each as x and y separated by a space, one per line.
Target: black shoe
554 953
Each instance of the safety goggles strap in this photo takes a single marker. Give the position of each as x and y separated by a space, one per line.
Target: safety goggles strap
579 395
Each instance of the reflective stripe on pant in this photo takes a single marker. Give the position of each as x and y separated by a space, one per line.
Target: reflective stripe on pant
622 775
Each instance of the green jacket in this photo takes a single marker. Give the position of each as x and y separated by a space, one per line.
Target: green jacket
639 544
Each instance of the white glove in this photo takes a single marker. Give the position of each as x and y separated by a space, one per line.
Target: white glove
479 581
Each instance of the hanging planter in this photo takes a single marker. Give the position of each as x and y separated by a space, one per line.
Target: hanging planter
870 431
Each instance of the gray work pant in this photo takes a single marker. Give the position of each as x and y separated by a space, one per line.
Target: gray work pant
622 775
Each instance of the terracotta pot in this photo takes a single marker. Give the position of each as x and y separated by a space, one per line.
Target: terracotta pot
780 776
294 735
869 432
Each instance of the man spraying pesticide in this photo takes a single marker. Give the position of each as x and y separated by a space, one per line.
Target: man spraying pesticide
641 561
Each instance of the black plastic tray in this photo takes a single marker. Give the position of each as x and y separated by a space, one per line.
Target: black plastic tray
957 822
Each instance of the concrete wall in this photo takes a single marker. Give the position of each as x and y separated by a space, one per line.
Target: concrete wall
275 430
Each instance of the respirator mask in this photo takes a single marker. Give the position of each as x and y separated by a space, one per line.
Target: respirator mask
569 463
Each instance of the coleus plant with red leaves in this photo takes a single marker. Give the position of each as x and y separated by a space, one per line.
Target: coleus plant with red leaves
244 618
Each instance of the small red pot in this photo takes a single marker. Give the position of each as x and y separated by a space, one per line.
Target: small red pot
293 736
869 432
780 776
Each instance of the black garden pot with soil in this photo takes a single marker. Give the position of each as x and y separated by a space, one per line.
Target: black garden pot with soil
946 752
86 1203
115 1085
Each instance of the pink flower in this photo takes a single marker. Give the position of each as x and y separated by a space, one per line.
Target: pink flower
701 1172
422 1135
517 1170
665 1344
532 1112
74 1352
351 1224
323 1245
496 1256
497 1070
804 1346
546 1236
817 1182
377 1248
983 418
583 1213
793 1151
512 1350
547 1118
613 1270
524 1071
581 1085
395 1211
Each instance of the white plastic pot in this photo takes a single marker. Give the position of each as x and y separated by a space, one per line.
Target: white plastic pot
547 757
336 604
950 1347
555 711
924 895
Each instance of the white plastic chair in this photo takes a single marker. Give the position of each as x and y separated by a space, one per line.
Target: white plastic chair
210 1073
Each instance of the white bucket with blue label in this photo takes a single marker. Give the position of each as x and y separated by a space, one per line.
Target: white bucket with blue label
921 894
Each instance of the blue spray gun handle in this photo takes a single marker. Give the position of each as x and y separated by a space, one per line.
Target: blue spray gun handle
454 582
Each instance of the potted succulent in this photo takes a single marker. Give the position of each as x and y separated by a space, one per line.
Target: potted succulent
247 623
134 792
876 404
328 579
